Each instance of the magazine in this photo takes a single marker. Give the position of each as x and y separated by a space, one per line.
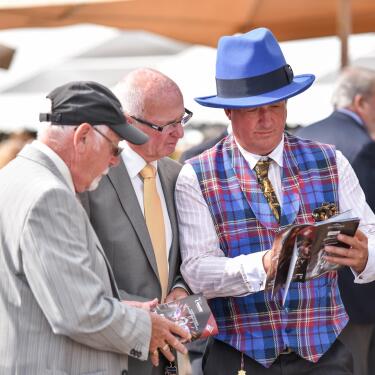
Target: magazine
192 313
300 254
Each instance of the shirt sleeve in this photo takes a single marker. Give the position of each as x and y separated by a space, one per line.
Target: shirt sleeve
205 267
352 197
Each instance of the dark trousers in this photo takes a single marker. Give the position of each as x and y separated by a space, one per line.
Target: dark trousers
360 340
196 350
222 359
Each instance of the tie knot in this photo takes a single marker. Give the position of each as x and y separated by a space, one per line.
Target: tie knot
149 171
261 168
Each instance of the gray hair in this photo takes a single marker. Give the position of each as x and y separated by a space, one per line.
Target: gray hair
142 85
353 81
53 131
58 135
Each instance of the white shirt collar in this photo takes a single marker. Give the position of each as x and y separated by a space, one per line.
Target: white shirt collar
134 162
59 163
276 155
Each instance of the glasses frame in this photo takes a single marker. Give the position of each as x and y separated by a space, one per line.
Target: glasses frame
116 149
187 116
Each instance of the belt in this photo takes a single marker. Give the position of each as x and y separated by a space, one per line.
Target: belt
287 350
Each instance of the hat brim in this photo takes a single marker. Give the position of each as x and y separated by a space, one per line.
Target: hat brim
299 84
130 133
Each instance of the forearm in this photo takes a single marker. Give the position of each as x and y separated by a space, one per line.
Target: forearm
219 276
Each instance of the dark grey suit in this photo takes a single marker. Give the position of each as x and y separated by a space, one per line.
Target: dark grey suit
117 218
338 129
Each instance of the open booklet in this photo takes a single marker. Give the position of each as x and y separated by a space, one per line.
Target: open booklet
191 313
300 253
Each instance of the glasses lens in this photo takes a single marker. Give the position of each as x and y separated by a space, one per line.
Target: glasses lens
116 150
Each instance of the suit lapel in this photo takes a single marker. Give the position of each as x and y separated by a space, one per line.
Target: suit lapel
121 182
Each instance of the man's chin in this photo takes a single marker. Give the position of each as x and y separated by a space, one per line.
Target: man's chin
95 183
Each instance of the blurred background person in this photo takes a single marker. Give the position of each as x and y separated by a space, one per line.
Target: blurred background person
351 128
11 145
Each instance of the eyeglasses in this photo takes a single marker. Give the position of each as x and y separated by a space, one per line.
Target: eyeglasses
116 149
185 118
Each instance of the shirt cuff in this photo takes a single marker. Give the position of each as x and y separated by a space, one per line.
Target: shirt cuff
368 274
252 271
182 286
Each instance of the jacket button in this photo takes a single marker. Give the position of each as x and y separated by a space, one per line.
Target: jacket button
124 372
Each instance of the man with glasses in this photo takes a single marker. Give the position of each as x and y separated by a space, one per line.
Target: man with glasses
143 249
60 307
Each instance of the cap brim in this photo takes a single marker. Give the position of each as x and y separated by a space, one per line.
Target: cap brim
130 134
299 84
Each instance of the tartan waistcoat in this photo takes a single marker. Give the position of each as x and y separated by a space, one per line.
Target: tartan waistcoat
313 314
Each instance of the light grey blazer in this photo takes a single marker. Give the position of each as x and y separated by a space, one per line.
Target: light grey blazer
58 315
120 225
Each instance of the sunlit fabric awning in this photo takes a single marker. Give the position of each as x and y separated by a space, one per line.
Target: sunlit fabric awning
194 21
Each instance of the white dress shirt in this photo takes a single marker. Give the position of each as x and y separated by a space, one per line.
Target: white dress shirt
134 163
204 265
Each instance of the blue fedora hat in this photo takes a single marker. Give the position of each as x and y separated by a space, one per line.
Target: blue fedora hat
251 71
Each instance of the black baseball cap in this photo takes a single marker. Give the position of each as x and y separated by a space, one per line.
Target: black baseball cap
84 101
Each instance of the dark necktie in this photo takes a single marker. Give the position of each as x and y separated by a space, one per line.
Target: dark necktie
261 170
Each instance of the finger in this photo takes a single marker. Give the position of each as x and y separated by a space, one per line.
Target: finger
176 344
166 351
339 251
154 356
340 261
357 262
152 304
350 241
176 329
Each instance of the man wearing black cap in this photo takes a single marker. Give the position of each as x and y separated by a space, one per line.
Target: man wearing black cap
60 311
234 198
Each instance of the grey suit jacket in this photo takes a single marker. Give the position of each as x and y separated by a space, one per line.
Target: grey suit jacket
120 225
57 311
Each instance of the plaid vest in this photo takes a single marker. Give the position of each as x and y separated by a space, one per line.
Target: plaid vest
313 314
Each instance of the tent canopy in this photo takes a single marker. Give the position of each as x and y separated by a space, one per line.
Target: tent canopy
195 21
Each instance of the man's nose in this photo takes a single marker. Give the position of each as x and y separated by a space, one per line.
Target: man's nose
178 131
264 114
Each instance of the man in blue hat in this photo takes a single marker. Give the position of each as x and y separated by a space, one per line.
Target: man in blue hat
234 198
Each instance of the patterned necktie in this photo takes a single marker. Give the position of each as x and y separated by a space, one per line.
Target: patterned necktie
261 170
155 224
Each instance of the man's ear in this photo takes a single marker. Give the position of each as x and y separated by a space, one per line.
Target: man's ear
80 136
358 103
